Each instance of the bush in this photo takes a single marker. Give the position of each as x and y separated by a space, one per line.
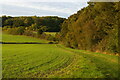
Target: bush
50 38
20 30
39 31
42 36
6 27
51 42
27 32
15 31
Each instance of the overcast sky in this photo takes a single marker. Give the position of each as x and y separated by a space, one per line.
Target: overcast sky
61 8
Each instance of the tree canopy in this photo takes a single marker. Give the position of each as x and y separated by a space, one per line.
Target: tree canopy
53 23
94 27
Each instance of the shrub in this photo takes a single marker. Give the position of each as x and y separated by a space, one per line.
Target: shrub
50 42
20 30
39 31
28 33
6 27
15 31
50 38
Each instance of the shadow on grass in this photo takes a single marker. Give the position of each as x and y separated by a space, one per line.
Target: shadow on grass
26 43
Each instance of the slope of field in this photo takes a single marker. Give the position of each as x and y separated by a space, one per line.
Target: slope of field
32 60
20 38
48 33
106 64
39 60
55 61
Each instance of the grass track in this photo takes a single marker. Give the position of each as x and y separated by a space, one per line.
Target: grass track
106 64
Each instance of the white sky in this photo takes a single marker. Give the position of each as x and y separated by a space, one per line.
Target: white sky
62 8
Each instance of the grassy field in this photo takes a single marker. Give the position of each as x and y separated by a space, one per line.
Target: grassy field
54 61
32 60
51 33
20 38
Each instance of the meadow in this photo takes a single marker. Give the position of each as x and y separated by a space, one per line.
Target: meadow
53 61
20 38
50 33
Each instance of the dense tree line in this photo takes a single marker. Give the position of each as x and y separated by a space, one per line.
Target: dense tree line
52 24
0 22
32 26
93 28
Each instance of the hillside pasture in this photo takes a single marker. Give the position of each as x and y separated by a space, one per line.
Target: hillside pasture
53 61
20 38
50 33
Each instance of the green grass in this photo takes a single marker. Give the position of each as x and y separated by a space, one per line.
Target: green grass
32 60
54 61
106 64
51 33
46 60
20 38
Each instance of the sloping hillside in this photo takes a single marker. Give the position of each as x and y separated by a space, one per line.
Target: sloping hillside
94 28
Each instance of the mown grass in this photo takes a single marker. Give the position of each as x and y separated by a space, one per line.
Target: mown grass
31 60
34 60
40 60
54 61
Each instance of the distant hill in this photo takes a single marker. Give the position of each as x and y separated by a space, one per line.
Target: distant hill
52 23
